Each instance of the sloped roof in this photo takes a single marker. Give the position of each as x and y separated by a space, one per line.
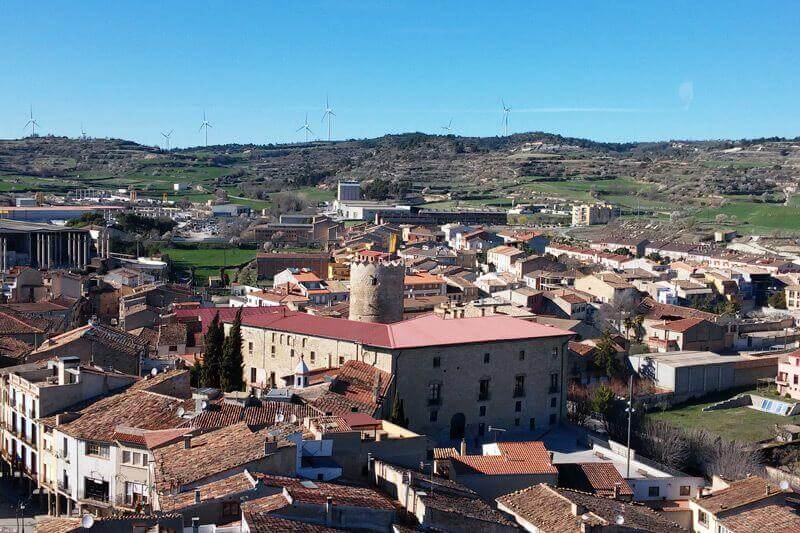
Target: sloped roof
220 413
515 458
739 493
596 478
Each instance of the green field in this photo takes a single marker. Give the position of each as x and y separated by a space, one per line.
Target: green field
756 217
207 262
619 191
741 423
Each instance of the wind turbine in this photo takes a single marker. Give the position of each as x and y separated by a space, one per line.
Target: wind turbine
305 128
329 114
32 123
506 111
168 135
449 127
206 124
83 132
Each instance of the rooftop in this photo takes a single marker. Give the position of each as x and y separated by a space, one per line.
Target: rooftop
514 458
737 494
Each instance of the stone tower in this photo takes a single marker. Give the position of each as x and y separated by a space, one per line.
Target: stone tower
376 291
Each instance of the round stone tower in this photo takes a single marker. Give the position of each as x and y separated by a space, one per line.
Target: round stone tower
376 291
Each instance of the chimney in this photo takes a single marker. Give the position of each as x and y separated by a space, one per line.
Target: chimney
195 524
187 442
617 490
577 510
196 496
463 450
328 511
766 490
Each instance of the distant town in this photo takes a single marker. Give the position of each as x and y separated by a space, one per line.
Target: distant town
390 366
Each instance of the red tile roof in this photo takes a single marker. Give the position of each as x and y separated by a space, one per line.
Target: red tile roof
596 478
219 414
317 492
680 326
739 493
427 330
353 390
773 517
515 458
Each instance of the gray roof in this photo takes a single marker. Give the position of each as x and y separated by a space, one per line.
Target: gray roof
14 226
691 358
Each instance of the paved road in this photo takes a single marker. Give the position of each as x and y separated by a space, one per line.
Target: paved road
11 496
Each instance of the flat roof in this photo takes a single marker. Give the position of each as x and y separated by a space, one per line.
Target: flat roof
692 358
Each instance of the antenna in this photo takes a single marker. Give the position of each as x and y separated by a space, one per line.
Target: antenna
329 114
305 128
168 135
206 124
506 111
32 123
449 127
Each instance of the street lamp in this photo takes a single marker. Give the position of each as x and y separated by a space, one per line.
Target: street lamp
630 410
496 431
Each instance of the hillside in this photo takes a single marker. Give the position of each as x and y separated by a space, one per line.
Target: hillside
533 166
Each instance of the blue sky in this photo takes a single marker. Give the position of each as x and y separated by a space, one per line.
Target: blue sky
610 71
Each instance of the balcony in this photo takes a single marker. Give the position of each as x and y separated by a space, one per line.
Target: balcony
63 486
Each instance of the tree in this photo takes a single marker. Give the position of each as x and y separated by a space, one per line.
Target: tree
212 357
196 374
232 361
777 300
398 414
665 443
247 276
605 355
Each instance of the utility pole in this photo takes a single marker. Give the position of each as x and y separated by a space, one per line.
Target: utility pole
630 414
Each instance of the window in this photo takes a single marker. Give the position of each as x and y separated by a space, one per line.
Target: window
135 494
281 338
97 449
273 337
126 457
230 509
702 517
517 407
437 362
434 393
685 490
173 348
553 401
794 379
486 358
522 355
291 352
341 360
481 429
272 351
653 491
482 410
304 342
553 383
516 421
434 415
65 447
250 347
532 424
483 389
553 419
554 353
519 385
252 374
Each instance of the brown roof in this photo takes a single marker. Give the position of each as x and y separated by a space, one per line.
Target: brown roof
115 339
267 523
550 509
317 492
171 334
771 517
229 486
680 326
596 478
14 348
742 492
658 311
220 413
353 390
13 323
208 454
515 458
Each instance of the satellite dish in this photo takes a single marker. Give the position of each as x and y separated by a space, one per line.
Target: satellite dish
153 373
181 411
203 405
279 417
784 485
87 521
620 520
293 419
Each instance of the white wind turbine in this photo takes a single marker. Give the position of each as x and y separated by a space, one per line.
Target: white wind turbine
449 127
32 123
206 124
506 111
305 128
329 114
83 132
168 135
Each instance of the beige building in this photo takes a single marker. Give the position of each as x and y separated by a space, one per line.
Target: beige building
590 214
455 377
606 287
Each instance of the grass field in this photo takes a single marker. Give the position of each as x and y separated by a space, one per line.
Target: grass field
207 262
620 191
757 217
741 423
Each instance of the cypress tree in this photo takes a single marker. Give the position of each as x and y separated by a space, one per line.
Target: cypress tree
232 360
212 358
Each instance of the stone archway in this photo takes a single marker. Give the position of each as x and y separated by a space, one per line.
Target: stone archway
457 424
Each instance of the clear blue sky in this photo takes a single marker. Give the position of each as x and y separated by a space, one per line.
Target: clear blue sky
610 70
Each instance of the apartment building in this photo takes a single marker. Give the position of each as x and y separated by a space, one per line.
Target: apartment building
591 214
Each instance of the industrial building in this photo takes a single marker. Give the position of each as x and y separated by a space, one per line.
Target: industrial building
43 245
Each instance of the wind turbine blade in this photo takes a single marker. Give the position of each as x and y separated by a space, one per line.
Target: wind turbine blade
301 128
209 125
332 113
201 127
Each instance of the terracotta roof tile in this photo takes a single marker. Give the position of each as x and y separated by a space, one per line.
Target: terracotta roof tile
228 486
772 517
742 492
595 478
220 413
317 492
515 458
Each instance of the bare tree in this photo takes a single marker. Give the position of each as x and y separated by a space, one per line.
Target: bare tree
665 443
